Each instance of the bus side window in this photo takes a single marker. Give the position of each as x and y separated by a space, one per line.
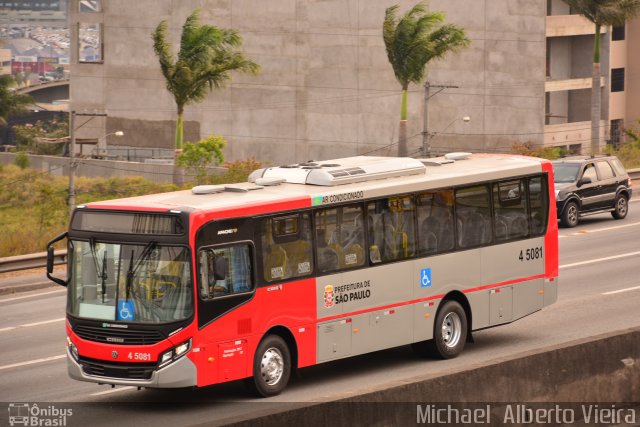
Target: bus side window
286 247
339 238
391 229
225 271
473 217
539 203
510 210
435 222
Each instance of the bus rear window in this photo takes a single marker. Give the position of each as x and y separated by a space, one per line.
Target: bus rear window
128 223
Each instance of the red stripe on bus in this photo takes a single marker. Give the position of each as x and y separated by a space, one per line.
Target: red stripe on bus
551 236
432 297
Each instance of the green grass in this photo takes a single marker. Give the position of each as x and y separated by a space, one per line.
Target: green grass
33 204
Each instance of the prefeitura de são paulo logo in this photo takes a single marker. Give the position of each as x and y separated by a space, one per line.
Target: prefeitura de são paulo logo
328 296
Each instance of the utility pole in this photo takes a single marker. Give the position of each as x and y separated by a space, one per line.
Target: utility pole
72 153
426 147
72 162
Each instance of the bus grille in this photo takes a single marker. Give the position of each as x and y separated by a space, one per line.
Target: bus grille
118 336
127 371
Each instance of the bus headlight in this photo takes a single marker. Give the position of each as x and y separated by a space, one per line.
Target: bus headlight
174 353
73 349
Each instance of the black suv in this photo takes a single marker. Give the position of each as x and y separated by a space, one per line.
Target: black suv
588 185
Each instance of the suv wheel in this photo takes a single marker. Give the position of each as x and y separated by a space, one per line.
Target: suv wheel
621 208
570 215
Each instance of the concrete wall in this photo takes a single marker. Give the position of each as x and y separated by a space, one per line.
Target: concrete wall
605 368
632 74
326 88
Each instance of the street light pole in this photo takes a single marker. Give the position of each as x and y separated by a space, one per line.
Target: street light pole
425 123
72 153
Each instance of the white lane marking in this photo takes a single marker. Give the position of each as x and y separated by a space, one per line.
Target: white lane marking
33 362
583 232
622 290
32 296
113 390
29 325
576 264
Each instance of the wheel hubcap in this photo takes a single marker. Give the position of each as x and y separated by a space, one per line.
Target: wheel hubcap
451 329
622 206
572 214
272 366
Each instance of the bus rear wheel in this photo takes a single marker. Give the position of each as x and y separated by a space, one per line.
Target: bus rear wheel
449 333
271 367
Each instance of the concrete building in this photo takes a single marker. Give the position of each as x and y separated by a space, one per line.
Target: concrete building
326 88
570 39
5 61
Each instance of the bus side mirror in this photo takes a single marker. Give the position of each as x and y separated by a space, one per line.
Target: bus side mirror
51 259
50 255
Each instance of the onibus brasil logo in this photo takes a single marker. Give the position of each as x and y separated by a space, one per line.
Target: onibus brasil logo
27 414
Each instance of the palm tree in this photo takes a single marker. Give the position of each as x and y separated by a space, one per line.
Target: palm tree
412 41
207 55
602 13
11 102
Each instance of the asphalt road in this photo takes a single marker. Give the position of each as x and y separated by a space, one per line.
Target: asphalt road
599 292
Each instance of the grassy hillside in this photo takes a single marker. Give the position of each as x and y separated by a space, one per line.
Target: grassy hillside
33 204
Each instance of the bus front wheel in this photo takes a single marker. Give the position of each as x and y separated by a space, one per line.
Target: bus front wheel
449 333
271 367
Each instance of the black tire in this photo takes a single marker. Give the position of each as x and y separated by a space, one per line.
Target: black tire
271 367
621 207
449 333
570 215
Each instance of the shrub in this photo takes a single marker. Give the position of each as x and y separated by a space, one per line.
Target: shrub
237 171
527 149
196 157
22 160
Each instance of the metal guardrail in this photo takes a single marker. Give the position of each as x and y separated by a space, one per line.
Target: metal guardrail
24 262
634 173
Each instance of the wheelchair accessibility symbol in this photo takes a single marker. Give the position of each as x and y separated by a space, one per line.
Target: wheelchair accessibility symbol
125 310
425 277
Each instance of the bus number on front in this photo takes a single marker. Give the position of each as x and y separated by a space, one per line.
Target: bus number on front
531 254
139 356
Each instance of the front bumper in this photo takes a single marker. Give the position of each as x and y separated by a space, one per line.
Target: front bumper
181 373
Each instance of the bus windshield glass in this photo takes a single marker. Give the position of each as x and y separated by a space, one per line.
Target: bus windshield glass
130 282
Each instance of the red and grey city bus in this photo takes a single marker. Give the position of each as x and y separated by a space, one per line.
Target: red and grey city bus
305 264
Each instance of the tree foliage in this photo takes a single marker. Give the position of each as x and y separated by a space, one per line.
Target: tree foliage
11 102
411 41
199 155
206 58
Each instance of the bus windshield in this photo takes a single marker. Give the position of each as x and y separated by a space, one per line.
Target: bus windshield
130 282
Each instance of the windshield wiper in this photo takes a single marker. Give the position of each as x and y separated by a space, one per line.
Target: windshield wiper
133 269
102 272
